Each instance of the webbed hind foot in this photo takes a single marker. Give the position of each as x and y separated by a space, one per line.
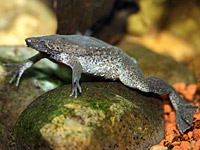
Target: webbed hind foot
184 116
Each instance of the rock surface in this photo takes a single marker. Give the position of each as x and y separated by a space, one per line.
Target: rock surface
196 70
83 16
20 19
107 115
183 22
165 43
168 27
148 16
88 18
7 141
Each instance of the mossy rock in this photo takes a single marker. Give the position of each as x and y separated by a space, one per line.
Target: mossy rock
107 115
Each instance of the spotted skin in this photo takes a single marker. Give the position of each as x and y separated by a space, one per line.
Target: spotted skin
89 55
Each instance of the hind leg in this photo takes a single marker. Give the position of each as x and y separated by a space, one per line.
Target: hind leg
158 85
184 112
151 84
134 78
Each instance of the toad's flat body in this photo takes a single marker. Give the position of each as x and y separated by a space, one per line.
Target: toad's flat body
89 55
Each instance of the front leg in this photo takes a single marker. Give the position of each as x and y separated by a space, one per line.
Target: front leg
76 75
21 67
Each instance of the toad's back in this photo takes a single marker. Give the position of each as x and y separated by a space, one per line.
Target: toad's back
79 44
84 41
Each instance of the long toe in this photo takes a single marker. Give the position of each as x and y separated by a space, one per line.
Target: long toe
72 93
75 95
11 71
79 88
13 78
10 64
75 90
19 77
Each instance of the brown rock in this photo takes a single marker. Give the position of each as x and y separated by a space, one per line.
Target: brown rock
21 19
167 108
176 148
7 141
83 16
197 145
106 115
185 145
196 134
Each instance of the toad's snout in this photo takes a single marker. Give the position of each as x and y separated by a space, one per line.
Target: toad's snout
28 41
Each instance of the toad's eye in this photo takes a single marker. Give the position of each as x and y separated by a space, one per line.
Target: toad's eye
42 42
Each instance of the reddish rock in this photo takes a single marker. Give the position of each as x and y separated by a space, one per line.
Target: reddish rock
190 134
176 143
172 117
191 89
176 148
167 108
196 134
193 142
185 145
197 145
186 141
189 97
179 86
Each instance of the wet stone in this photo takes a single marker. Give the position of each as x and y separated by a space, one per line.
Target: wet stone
107 115
7 141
